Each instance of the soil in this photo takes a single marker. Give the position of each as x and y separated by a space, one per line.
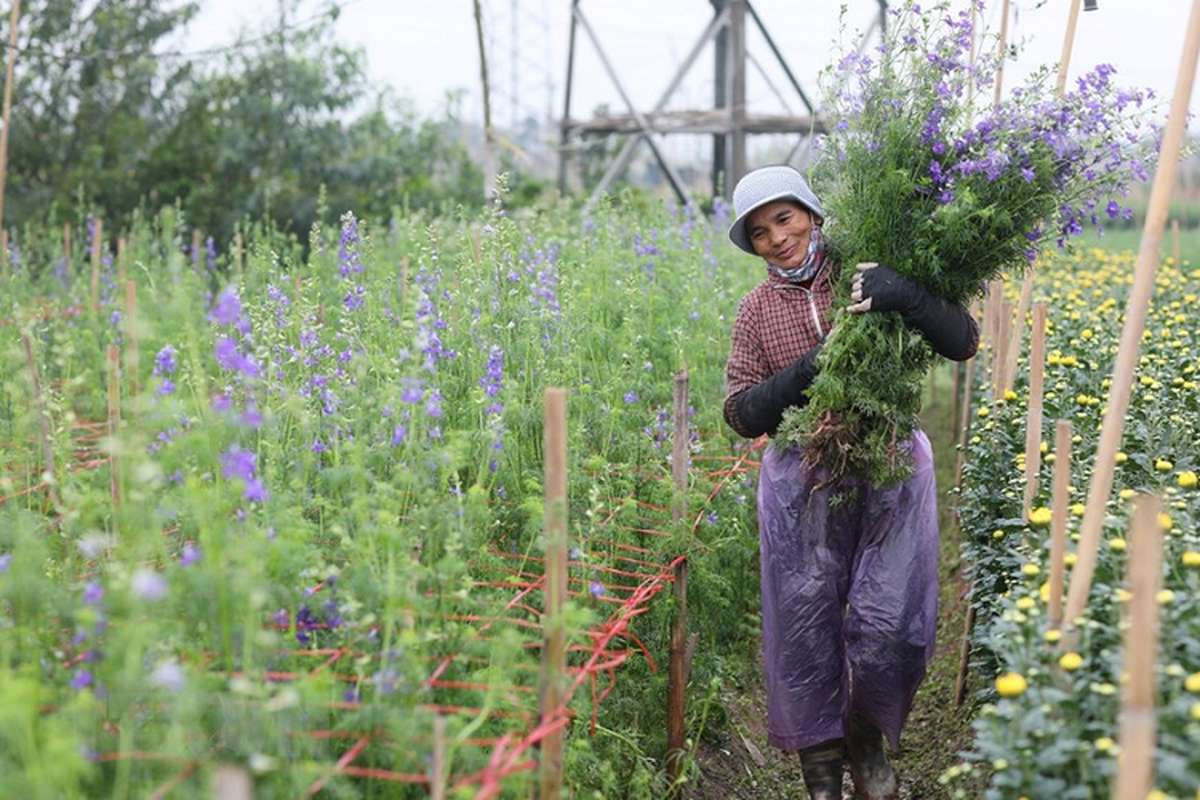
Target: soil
740 764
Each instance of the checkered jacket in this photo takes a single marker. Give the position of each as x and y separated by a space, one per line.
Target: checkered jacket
777 322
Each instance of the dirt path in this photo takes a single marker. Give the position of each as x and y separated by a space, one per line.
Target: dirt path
743 766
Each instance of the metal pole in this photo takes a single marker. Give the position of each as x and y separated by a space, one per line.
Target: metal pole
737 71
564 136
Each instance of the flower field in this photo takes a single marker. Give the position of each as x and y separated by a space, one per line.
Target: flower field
285 512
1049 726
281 510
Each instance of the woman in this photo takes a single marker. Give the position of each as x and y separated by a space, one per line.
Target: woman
849 588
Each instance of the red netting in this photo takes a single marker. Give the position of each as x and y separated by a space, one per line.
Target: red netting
629 577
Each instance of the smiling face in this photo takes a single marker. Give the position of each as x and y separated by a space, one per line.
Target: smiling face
779 232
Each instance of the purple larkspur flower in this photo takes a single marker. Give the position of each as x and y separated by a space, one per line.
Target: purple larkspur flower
597 589
82 679
148 585
93 593
5 562
399 434
236 462
190 554
631 397
228 308
169 675
256 491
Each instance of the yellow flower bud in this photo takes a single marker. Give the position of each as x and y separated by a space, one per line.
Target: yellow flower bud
1011 684
1070 661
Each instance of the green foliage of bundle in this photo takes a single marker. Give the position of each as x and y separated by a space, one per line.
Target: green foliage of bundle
912 176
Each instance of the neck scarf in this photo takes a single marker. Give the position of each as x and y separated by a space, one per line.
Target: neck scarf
812 261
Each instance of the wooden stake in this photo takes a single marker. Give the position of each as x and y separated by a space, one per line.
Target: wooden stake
677 667
114 422
13 20
555 650
1064 61
46 441
1033 423
1017 334
1135 767
196 248
97 238
437 768
1177 263
1003 52
232 782
132 354
1059 510
1003 334
1137 308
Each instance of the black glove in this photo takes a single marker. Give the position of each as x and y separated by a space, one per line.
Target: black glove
760 408
948 328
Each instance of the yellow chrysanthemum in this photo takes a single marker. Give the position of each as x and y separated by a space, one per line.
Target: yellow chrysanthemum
1040 517
1053 636
1070 661
1165 597
1186 479
1030 569
1164 521
1117 544
1162 465
1011 684
1191 559
1192 683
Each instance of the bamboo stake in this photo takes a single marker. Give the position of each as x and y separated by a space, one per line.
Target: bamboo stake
132 353
13 20
677 667
1003 52
1058 519
1033 425
1136 312
1017 334
114 423
437 768
554 654
964 658
48 472
1002 342
1135 767
1177 262
1064 61
97 237
196 248
232 782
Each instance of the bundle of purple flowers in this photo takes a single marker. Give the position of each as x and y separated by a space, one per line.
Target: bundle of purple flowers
914 176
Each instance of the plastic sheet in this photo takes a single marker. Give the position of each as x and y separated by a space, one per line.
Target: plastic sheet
850 586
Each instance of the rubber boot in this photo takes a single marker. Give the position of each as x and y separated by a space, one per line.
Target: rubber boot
873 776
823 766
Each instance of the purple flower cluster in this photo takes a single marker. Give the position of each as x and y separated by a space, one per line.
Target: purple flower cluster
87 634
164 368
243 464
493 383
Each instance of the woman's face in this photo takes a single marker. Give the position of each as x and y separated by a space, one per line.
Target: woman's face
779 232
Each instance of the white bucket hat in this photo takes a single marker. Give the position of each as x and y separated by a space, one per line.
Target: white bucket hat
767 185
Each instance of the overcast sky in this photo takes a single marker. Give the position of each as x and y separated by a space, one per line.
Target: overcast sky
422 48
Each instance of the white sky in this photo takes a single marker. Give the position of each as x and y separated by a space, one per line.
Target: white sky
422 48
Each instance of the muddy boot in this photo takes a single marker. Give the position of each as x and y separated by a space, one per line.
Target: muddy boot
874 778
822 766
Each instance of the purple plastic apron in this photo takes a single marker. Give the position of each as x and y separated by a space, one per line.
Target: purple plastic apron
850 592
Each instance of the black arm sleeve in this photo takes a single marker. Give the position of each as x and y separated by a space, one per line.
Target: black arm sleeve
760 408
949 328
